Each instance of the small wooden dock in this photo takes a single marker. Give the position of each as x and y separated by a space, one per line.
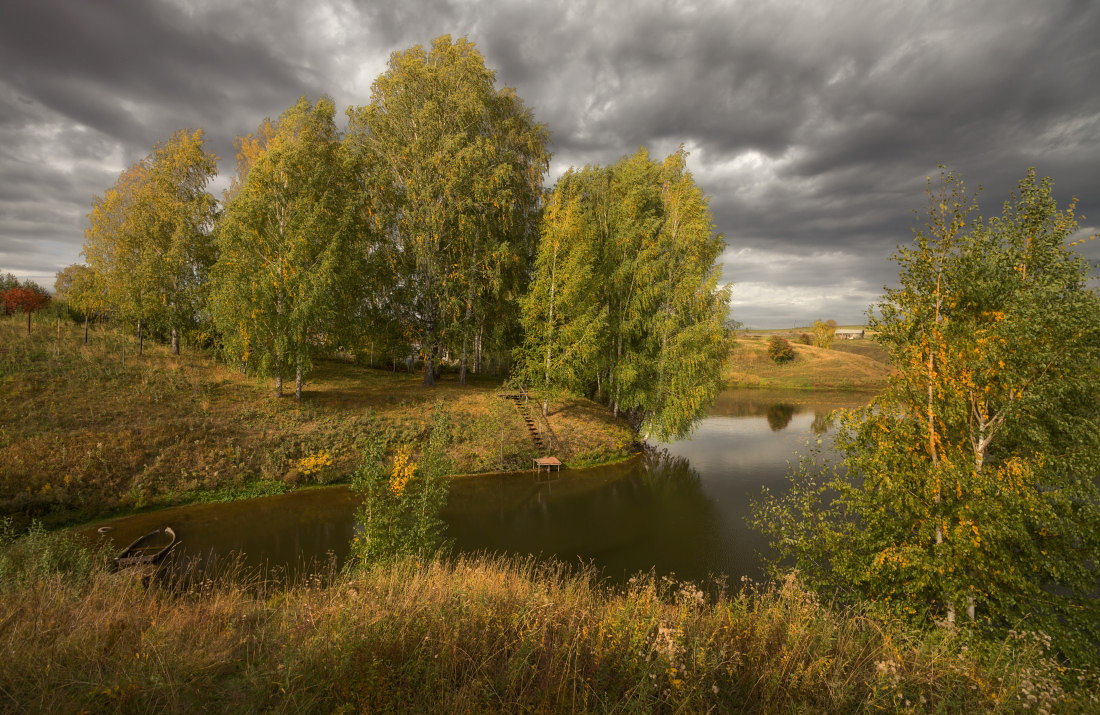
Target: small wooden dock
549 463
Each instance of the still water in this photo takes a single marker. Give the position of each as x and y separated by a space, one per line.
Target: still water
679 508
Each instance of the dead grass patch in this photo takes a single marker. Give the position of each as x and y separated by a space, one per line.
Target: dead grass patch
476 634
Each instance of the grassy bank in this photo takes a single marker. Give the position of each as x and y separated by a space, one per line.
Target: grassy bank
848 365
96 429
476 635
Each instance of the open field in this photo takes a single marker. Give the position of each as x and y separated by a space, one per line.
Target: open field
848 365
92 431
479 635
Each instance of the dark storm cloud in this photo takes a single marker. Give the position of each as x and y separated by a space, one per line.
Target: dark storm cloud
812 125
135 70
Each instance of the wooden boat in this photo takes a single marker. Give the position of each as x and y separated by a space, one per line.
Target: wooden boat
144 552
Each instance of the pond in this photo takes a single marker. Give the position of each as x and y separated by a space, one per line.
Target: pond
678 508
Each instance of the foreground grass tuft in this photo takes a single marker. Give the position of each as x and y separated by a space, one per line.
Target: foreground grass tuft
476 634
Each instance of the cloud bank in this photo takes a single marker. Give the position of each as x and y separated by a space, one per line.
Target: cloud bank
812 126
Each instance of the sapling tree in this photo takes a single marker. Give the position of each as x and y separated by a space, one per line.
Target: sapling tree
823 331
402 497
75 286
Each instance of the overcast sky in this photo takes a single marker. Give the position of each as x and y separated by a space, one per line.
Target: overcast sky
811 125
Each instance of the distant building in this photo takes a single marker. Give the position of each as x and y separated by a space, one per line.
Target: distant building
848 334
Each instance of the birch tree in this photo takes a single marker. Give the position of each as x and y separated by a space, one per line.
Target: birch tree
639 234
462 164
688 340
149 237
969 491
285 247
75 285
562 318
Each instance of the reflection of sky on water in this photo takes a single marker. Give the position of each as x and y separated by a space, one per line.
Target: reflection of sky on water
747 443
744 449
734 458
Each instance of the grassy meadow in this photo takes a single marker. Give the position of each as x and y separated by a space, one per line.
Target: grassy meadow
90 430
848 365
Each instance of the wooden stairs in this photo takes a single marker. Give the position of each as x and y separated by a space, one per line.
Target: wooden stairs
522 404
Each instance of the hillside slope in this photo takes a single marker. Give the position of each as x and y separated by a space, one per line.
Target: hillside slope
851 367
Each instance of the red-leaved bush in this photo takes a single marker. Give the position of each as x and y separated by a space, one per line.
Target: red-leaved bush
23 300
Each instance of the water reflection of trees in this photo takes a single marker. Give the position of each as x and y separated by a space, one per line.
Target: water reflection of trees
821 422
779 415
755 402
655 513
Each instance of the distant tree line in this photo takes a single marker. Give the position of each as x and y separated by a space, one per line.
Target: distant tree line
424 230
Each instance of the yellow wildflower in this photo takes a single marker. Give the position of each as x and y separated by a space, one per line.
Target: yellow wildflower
403 469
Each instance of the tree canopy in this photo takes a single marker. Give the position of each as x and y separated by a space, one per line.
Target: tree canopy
148 239
286 245
459 175
625 303
426 228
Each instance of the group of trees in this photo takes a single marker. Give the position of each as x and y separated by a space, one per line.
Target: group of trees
968 490
625 304
18 296
21 297
968 487
415 229
423 227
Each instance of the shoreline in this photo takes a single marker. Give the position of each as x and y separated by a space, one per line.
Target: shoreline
87 437
81 525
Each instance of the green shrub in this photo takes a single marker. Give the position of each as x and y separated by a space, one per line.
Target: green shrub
38 555
780 351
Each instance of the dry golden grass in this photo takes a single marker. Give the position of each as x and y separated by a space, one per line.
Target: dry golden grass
812 367
89 432
476 635
577 443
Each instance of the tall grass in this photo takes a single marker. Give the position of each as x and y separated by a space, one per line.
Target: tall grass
476 634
